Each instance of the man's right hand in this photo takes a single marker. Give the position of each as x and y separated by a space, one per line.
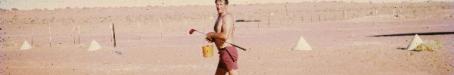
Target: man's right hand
210 36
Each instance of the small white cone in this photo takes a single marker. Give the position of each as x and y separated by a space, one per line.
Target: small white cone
302 45
415 43
25 46
94 46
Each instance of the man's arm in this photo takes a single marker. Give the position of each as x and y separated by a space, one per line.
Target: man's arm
228 26
212 36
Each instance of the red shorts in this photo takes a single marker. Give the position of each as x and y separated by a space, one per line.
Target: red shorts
228 58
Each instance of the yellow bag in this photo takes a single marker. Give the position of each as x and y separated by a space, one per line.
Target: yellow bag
207 51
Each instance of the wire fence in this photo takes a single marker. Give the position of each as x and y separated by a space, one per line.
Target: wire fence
51 30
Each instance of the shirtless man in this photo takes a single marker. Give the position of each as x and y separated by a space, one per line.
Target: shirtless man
223 32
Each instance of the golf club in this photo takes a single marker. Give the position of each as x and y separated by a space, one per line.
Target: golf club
193 30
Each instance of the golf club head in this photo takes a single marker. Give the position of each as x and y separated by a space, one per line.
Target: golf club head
192 31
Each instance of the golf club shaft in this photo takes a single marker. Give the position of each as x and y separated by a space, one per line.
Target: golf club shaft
200 32
244 49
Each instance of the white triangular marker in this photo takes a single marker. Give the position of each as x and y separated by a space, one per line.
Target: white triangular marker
302 45
25 46
94 46
415 42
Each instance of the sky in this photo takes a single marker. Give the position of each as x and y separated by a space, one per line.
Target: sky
51 4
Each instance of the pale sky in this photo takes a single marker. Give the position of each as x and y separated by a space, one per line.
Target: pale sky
51 4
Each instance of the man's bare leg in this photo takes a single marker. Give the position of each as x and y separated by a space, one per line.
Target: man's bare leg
220 71
233 72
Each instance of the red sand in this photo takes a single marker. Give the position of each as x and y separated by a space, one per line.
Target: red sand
154 40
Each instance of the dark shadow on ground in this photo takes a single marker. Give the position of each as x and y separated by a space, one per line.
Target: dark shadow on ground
241 20
405 49
412 34
401 48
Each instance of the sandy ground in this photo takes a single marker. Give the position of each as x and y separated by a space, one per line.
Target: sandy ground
154 40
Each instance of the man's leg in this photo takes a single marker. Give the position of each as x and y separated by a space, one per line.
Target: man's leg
220 71
233 72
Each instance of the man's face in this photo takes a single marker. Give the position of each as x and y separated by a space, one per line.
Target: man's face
220 6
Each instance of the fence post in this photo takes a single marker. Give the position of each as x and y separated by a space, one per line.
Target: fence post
50 35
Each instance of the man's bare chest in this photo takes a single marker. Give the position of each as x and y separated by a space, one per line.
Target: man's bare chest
219 24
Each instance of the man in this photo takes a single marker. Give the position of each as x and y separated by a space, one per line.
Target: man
223 32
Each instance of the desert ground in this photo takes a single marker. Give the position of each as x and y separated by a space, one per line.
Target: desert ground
346 39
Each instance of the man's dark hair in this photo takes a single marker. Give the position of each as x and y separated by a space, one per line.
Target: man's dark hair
226 2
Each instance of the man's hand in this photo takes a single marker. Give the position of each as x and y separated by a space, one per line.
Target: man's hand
209 36
215 37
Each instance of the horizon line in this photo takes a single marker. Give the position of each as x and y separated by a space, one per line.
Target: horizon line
193 4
